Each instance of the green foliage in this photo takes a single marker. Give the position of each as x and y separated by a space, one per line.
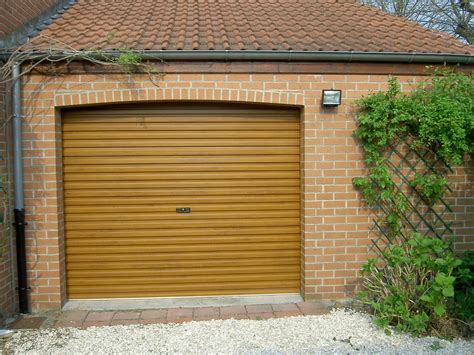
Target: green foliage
129 59
378 126
415 286
437 116
443 111
431 186
381 119
416 283
463 307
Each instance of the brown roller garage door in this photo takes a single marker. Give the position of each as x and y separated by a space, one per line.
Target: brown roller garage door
127 169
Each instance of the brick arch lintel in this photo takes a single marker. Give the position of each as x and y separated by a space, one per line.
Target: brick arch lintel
175 94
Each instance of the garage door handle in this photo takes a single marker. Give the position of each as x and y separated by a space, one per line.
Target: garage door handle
183 209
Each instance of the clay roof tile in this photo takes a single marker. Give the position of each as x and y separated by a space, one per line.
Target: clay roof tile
279 25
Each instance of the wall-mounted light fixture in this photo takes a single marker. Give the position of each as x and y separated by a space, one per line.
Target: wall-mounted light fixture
331 98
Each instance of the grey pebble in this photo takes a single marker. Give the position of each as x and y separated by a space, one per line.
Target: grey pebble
340 332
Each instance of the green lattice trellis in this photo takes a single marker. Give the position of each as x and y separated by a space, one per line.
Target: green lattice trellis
421 216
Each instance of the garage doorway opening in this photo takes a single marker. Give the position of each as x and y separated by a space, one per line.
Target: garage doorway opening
188 199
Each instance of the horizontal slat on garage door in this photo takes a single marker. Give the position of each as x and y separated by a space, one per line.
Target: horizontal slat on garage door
198 207
173 168
127 169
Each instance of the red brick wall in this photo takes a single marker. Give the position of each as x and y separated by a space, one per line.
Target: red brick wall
15 13
335 221
7 287
462 202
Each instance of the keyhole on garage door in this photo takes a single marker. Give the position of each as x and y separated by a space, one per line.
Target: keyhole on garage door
183 209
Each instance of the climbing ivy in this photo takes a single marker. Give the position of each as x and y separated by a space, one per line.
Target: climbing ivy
438 116
430 186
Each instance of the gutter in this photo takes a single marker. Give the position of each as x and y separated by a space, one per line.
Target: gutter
289 56
302 56
19 208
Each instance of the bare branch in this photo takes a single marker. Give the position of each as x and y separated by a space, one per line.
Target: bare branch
43 49
452 16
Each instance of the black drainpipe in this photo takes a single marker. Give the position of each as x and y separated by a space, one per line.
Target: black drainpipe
19 208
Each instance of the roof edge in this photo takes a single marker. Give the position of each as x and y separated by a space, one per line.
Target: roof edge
34 25
290 56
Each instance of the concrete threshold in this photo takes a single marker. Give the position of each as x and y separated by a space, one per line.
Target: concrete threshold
178 302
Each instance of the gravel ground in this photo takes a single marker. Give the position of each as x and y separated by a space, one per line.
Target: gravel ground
342 332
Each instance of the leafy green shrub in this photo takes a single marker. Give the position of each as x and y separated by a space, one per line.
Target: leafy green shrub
438 114
443 111
411 286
